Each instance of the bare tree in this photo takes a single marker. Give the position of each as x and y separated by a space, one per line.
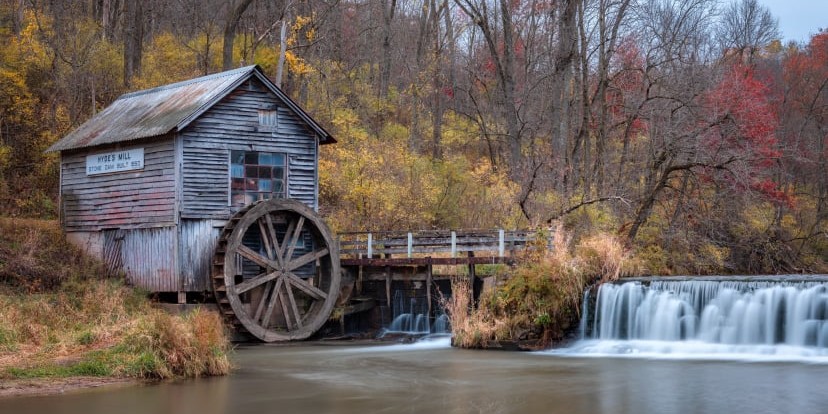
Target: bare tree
230 26
747 26
133 39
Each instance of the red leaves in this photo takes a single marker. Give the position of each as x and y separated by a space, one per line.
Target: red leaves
744 124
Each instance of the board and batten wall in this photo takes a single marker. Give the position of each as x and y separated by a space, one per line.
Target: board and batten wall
127 219
233 124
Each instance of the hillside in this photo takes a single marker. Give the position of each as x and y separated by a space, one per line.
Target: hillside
61 319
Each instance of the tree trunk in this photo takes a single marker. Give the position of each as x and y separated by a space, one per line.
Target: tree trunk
230 27
280 66
388 9
133 39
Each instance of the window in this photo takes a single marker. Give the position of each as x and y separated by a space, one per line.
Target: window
256 176
269 120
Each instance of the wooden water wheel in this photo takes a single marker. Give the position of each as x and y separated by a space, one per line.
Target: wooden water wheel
276 270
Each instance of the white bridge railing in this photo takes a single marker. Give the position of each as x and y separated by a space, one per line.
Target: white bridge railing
432 243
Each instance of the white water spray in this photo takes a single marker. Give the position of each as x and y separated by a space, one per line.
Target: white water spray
709 318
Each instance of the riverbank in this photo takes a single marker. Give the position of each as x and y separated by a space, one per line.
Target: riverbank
65 325
58 386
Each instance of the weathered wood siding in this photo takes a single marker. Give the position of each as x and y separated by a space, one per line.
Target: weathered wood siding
148 258
233 124
197 242
132 199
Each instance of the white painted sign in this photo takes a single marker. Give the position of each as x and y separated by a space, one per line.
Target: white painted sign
117 161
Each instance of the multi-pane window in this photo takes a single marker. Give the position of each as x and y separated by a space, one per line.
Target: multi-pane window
256 176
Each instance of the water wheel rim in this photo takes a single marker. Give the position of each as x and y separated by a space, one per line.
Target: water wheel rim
281 284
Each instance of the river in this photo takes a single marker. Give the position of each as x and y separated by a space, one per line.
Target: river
431 377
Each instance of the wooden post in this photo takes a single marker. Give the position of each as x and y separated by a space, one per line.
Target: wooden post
410 244
428 291
359 278
370 245
472 278
501 244
453 244
388 286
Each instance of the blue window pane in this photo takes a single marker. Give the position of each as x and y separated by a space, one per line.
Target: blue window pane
278 186
237 171
265 158
265 185
278 159
278 172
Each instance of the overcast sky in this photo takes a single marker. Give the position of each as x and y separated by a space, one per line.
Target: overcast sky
799 19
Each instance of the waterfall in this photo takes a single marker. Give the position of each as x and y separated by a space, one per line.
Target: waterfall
770 317
411 317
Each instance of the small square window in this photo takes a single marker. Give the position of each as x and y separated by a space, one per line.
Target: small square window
269 118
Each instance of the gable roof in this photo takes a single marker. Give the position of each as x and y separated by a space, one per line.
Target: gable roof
168 108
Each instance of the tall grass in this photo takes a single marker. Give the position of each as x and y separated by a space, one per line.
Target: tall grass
59 317
540 298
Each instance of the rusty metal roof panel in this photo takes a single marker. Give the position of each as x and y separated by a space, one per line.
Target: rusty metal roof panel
153 112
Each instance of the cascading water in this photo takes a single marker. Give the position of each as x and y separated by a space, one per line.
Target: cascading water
709 318
411 317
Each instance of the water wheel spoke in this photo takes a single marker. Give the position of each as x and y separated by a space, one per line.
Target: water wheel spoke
272 302
305 259
256 281
284 307
292 300
265 238
285 241
306 287
255 257
268 291
296 232
277 251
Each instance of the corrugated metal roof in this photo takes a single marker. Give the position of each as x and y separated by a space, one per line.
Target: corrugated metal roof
160 110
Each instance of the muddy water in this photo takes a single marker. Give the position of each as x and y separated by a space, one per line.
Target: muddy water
433 378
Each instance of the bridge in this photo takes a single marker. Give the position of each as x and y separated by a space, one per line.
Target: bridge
382 258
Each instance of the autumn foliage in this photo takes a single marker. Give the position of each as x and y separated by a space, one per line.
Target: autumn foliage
449 114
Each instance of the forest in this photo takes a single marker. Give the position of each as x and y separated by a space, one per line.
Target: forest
684 127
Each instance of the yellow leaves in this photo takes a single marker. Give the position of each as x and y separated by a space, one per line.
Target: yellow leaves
166 60
297 65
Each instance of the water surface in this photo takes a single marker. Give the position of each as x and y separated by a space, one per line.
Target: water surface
434 378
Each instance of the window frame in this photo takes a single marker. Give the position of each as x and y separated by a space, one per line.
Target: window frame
256 194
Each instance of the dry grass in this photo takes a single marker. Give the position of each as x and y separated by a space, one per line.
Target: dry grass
603 256
540 298
35 256
58 317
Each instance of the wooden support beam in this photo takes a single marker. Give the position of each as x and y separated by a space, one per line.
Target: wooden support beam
472 278
388 286
359 278
428 291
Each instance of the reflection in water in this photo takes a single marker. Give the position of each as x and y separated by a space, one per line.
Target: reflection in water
433 378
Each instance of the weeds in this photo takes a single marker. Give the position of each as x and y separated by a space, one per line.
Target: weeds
58 317
540 298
